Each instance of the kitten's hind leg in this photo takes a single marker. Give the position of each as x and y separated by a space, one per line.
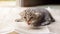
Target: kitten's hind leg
52 19
47 20
46 23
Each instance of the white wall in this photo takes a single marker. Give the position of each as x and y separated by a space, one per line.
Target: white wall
19 3
7 3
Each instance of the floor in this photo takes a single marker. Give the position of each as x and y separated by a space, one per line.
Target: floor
55 26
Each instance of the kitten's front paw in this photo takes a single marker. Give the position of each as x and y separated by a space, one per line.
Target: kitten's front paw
17 20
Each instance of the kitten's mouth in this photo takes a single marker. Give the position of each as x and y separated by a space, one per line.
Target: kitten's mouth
28 23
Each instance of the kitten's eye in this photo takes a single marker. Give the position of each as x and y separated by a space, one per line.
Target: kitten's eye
31 17
24 17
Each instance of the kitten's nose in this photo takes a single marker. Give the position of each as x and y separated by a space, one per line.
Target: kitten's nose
29 23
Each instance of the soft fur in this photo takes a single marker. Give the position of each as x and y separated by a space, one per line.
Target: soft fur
36 17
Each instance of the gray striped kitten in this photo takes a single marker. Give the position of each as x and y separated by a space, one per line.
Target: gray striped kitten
36 17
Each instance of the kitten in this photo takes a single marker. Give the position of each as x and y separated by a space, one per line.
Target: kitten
36 17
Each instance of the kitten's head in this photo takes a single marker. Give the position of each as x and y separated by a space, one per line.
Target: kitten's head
30 16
